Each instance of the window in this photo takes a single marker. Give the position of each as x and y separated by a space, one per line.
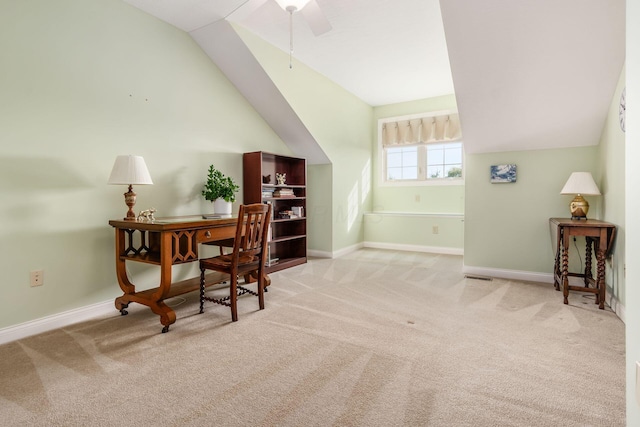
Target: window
422 149
402 163
444 160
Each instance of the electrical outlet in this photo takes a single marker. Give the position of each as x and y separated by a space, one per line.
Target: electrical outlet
417 197
435 229
37 278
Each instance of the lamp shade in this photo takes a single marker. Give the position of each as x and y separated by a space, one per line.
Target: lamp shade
581 183
292 4
129 170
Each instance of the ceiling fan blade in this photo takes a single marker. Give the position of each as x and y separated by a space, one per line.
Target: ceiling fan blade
316 19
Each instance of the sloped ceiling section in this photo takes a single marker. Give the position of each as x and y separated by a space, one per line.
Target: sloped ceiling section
205 22
223 45
382 51
533 74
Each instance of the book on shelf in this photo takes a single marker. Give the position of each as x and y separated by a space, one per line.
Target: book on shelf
267 192
270 261
287 215
284 192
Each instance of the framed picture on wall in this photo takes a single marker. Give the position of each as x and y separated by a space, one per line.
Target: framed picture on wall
501 174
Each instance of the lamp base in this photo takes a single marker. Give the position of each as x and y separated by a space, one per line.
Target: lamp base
579 207
130 200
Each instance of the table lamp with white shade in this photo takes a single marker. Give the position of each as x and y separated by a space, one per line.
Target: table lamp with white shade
130 170
580 183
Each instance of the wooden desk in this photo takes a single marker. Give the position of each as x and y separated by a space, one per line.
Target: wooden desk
598 234
165 242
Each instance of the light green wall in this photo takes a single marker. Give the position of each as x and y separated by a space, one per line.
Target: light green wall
428 204
632 207
610 175
413 198
431 233
341 124
507 225
82 82
319 208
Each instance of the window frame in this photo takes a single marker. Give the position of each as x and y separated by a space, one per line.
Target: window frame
422 179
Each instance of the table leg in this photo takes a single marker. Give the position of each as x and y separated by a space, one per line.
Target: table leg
600 282
556 263
565 267
588 274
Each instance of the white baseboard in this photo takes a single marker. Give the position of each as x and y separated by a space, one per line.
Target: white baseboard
336 254
415 248
527 276
615 305
347 250
55 321
319 254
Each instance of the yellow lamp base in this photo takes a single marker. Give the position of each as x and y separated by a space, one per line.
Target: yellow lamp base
579 207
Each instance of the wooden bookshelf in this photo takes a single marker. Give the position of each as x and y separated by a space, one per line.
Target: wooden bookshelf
288 244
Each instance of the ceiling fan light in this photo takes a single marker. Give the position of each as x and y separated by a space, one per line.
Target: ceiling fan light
292 5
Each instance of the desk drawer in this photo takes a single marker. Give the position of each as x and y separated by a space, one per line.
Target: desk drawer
213 234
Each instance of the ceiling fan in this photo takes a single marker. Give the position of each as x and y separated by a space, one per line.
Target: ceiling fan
318 22
310 10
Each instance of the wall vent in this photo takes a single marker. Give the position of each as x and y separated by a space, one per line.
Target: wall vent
473 276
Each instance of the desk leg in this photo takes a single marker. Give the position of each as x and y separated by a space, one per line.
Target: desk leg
153 300
167 315
565 267
121 273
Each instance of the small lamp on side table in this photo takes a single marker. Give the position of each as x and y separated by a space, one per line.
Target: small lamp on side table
580 183
130 170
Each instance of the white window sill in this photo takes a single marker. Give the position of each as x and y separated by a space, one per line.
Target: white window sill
427 183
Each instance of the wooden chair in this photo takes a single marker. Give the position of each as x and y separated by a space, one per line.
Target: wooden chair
249 257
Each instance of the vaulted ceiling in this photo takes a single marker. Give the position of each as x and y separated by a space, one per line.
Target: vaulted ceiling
527 74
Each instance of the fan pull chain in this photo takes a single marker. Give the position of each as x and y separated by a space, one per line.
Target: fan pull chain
290 38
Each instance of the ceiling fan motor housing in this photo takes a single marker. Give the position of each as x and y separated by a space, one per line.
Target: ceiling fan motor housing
292 5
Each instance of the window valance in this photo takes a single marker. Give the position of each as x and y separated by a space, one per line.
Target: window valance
444 128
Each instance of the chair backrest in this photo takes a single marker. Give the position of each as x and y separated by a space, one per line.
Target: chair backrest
252 233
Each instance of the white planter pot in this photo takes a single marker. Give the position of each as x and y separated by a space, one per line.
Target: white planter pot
220 206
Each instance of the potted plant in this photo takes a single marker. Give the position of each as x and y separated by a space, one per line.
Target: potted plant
221 190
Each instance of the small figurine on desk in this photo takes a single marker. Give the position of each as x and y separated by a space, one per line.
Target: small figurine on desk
147 215
266 179
281 178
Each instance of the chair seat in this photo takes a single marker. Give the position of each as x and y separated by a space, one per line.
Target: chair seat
227 260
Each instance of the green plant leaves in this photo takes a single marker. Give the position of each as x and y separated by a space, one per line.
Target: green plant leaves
219 186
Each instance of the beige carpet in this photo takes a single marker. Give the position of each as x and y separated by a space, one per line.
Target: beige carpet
377 338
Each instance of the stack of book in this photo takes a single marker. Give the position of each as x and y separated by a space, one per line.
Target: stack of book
267 192
283 192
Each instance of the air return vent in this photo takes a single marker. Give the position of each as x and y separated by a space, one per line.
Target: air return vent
473 276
